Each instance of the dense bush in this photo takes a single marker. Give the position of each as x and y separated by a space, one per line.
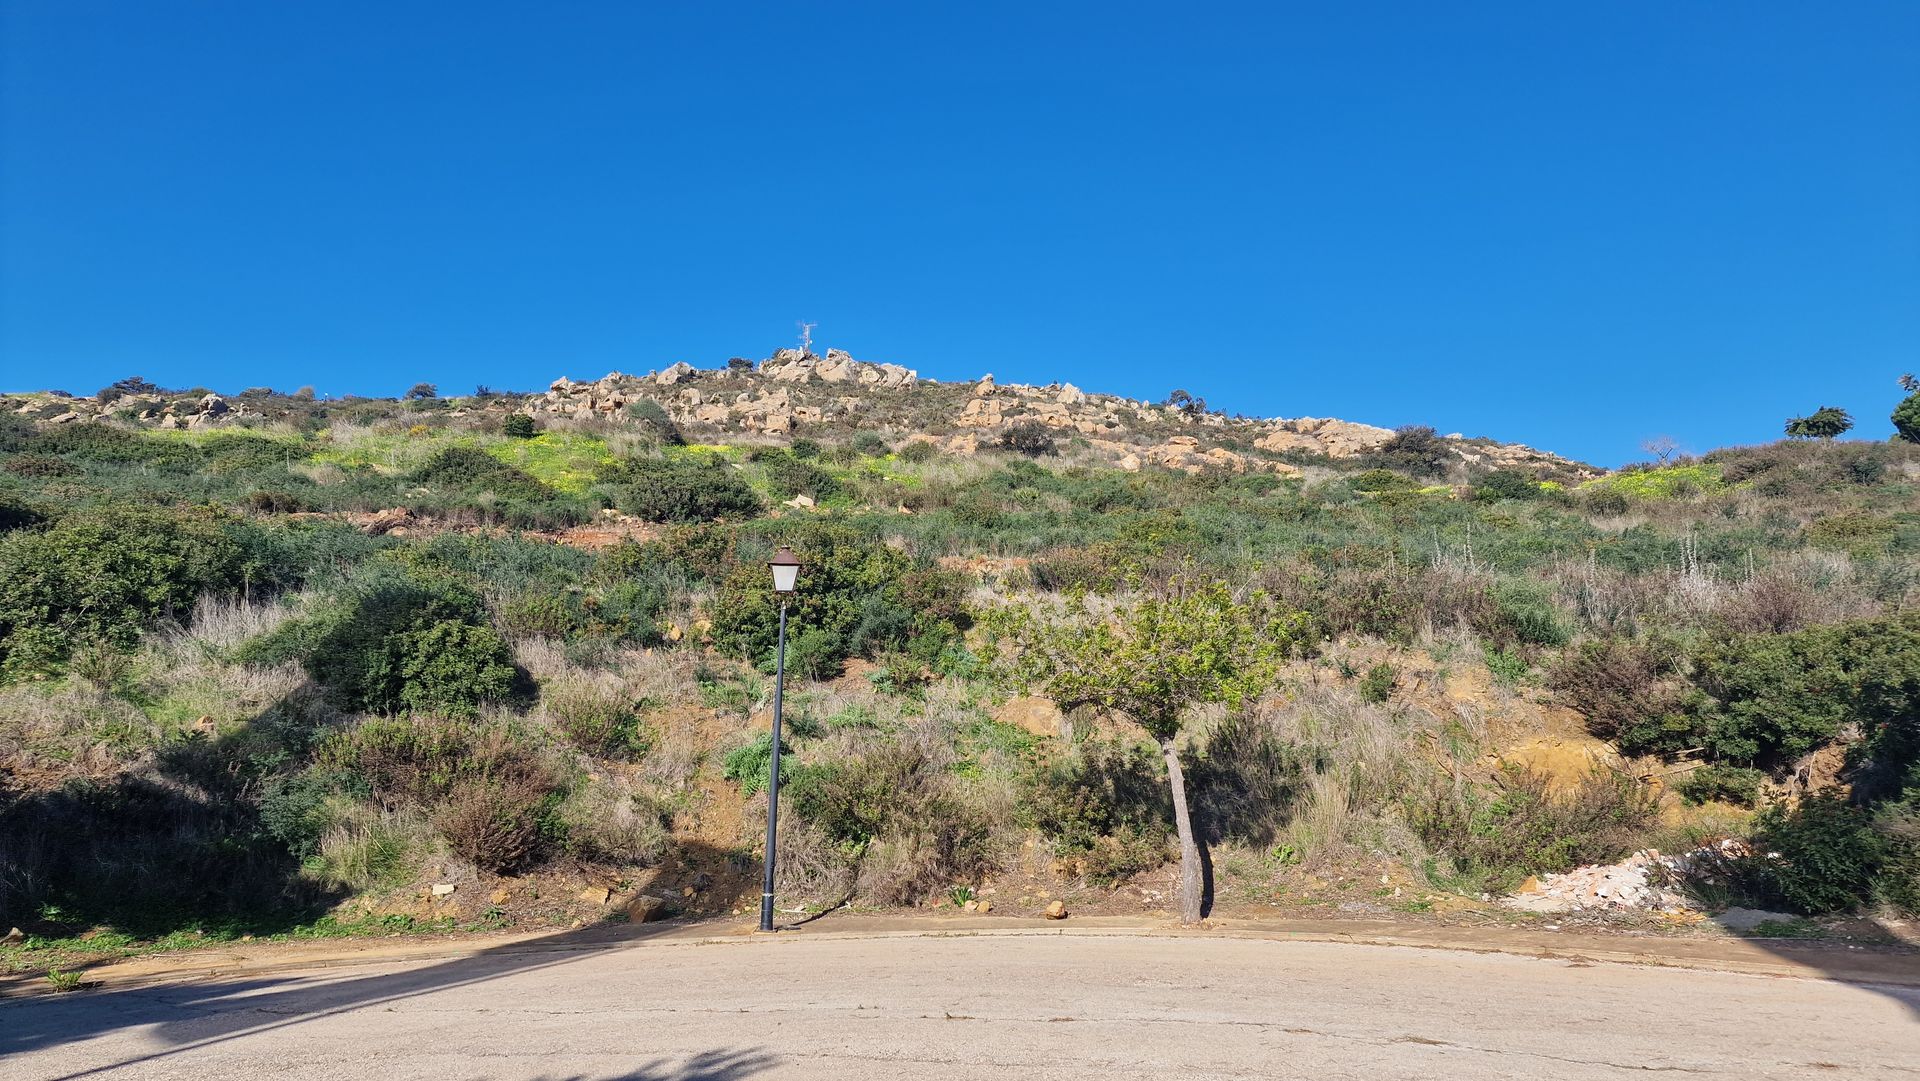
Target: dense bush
1105 810
1778 696
654 420
692 488
99 576
1416 449
1729 784
1627 692
1525 827
484 484
1821 856
401 641
486 789
1507 484
856 598
789 476
895 811
1031 439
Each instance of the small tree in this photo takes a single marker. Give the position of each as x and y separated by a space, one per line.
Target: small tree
420 392
739 364
1031 439
1906 415
1152 659
654 418
520 426
1416 448
1826 422
1662 447
1186 403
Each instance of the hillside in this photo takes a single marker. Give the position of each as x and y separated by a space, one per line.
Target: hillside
278 665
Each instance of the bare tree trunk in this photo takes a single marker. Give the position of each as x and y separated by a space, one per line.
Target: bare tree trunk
1190 884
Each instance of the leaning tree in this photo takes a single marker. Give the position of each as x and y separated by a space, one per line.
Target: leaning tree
1152 658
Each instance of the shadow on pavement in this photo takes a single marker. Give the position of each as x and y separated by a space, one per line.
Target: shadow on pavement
706 1066
1884 968
186 1017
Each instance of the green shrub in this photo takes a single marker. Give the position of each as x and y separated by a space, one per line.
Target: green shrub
788 476
100 575
895 801
293 808
400 641
1527 614
1106 809
748 765
682 489
1416 449
39 465
917 451
1779 696
1728 784
1381 480
520 426
1819 857
1029 438
598 720
1508 667
1604 503
870 444
654 421
1523 827
1627 693
485 789
1377 685
451 667
1507 484
855 597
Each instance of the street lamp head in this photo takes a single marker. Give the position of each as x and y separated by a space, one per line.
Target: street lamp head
786 570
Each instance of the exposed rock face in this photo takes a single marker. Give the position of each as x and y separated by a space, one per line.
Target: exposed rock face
793 366
1333 438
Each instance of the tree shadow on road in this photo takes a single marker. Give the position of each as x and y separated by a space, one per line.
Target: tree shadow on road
705 1066
1883 967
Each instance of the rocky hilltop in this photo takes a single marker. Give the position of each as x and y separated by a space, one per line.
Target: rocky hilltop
795 392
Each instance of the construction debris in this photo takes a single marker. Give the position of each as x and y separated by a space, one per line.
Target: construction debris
1646 881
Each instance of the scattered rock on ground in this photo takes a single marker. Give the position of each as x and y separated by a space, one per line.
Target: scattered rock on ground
1057 910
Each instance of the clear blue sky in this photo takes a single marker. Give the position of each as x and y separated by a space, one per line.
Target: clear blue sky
1570 225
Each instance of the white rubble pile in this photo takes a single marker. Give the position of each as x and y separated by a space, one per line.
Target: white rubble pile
1645 881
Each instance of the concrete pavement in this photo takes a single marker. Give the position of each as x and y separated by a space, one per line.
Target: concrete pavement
976 1006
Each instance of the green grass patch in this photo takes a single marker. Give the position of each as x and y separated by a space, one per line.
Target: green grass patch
565 461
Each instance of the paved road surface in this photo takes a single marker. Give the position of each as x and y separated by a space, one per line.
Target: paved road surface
974 1008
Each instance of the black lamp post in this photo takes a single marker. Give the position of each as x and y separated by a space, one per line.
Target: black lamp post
786 574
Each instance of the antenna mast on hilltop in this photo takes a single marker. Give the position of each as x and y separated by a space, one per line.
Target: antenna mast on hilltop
806 338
